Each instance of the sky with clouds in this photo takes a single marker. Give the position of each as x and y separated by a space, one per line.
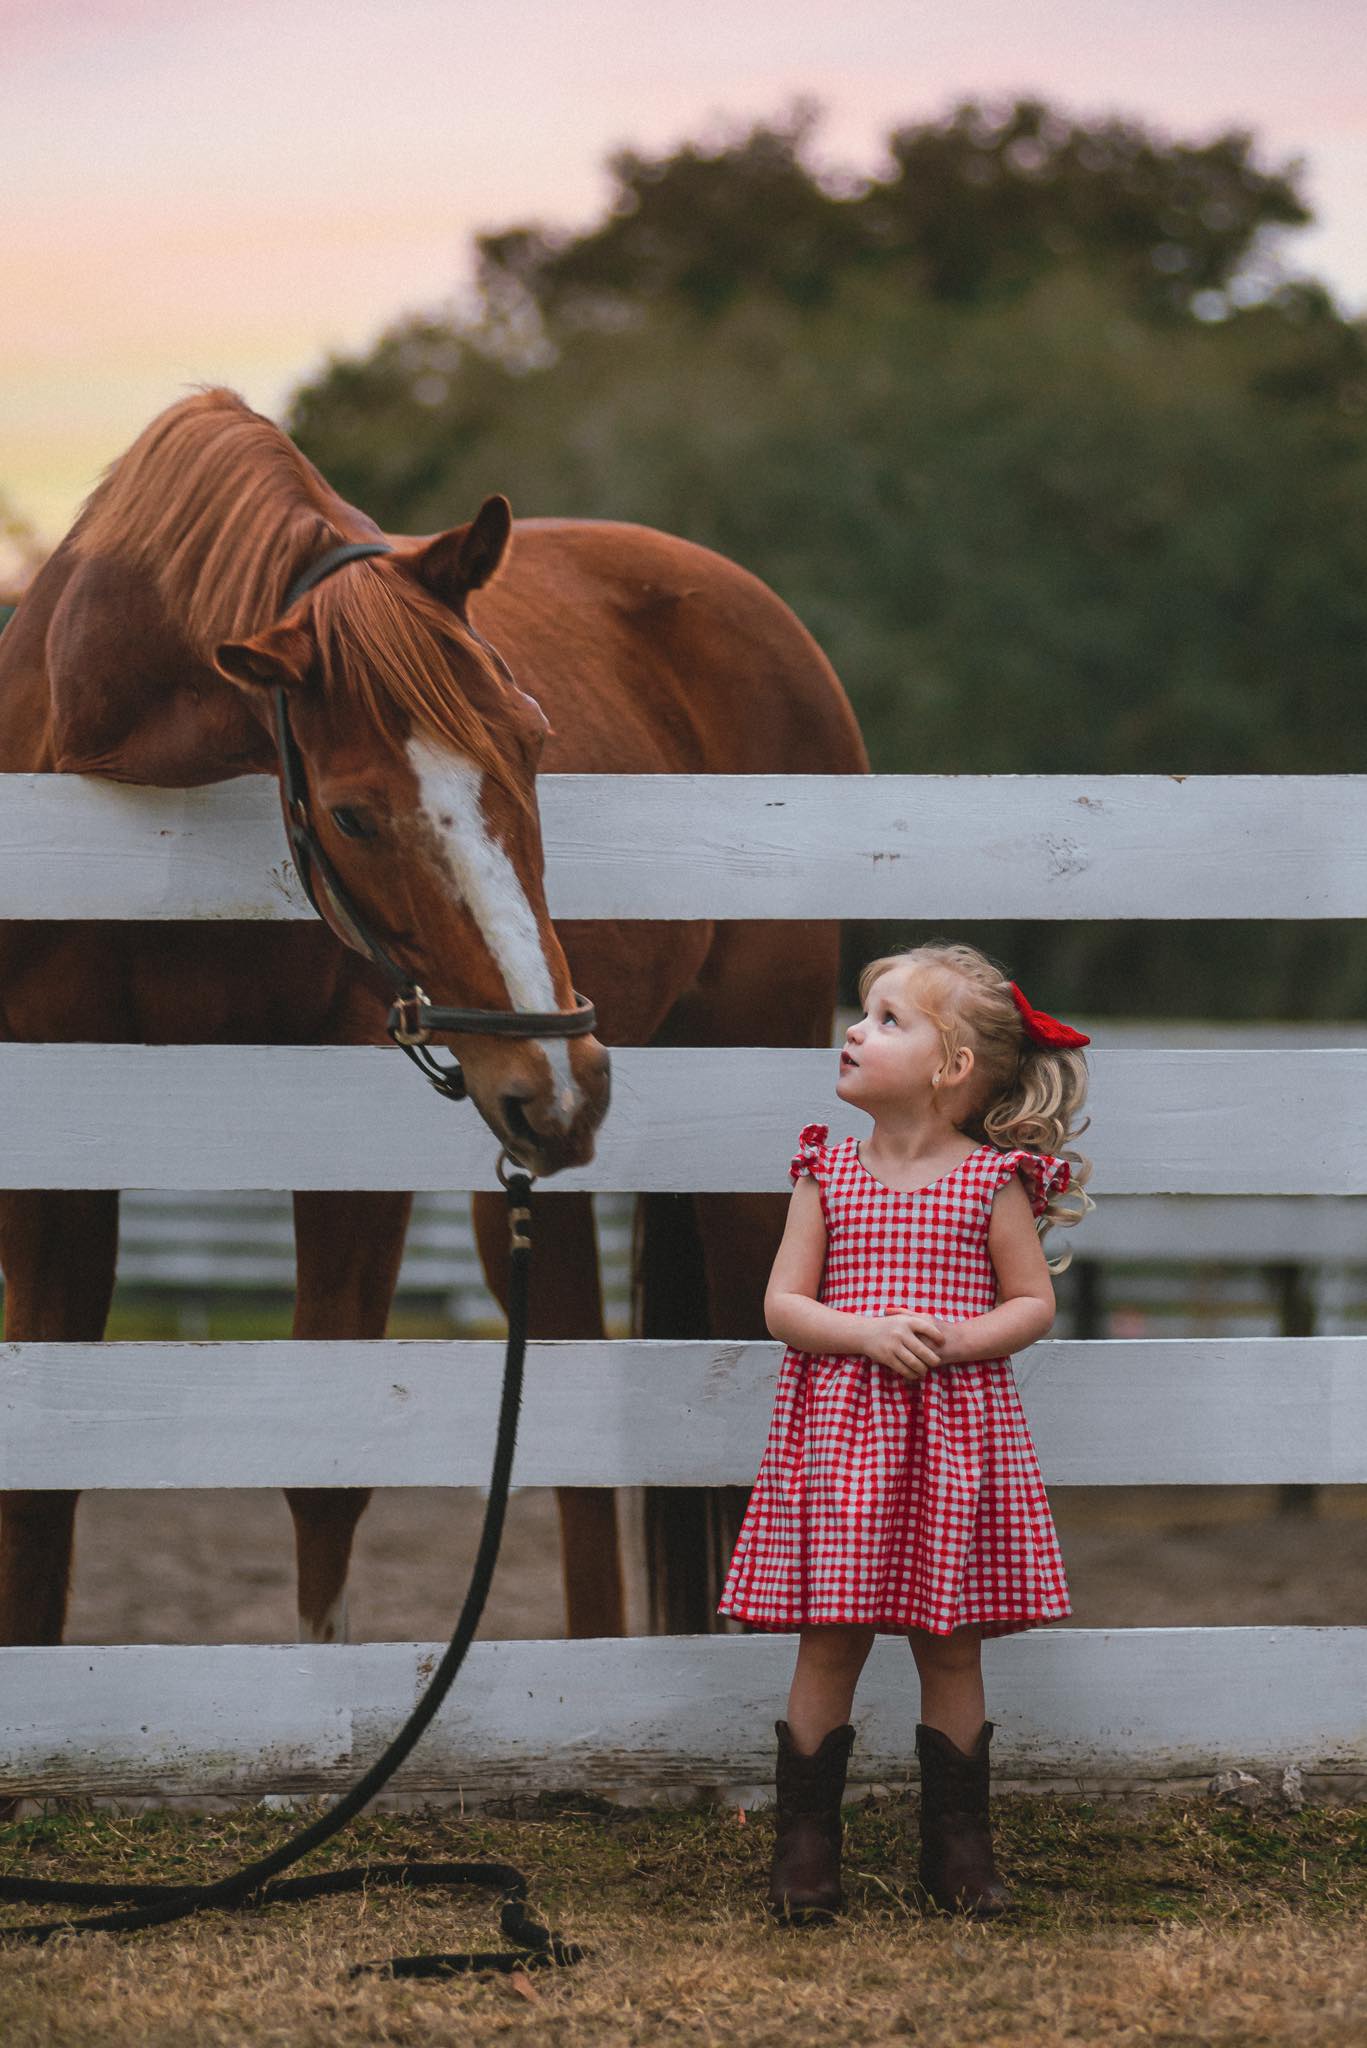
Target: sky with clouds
228 193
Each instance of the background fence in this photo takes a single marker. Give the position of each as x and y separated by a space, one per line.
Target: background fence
1262 1140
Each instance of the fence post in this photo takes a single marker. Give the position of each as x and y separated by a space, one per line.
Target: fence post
1293 1290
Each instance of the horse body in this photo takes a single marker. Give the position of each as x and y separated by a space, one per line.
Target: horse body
646 654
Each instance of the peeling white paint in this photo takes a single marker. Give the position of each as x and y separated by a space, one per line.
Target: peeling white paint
1110 1707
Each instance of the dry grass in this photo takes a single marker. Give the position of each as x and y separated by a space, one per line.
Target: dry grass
1189 1922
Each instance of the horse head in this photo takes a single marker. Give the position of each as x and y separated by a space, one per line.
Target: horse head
420 754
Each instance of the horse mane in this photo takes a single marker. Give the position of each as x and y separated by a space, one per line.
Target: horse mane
389 644
222 510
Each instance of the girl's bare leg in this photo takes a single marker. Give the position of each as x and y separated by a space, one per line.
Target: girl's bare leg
829 1661
956 1870
952 1697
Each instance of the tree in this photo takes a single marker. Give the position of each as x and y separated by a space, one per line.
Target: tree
976 206
21 554
990 200
1047 526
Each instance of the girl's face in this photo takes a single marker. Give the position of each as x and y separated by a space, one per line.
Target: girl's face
892 1055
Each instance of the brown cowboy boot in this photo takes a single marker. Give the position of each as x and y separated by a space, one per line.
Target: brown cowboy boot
804 1883
956 1869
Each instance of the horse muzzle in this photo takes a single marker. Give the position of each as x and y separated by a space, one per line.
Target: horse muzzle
548 1106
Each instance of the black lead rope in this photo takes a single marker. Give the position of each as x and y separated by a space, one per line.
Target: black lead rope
259 1883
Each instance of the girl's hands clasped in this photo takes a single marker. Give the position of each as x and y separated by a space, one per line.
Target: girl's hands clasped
905 1342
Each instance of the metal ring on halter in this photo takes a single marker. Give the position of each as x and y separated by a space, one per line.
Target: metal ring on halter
516 1166
417 1000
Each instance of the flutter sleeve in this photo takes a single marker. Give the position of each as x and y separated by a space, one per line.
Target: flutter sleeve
810 1156
1044 1175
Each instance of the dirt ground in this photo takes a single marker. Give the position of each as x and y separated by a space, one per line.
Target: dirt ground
216 1567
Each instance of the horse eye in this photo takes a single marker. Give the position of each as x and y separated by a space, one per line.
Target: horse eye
354 824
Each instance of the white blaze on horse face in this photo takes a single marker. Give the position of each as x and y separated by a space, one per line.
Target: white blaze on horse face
490 889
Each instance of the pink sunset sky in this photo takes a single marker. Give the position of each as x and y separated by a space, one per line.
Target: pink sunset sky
228 193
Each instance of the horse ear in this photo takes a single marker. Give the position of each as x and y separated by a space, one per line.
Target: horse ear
278 658
467 557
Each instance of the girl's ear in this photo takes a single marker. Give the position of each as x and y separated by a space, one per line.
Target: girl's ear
279 658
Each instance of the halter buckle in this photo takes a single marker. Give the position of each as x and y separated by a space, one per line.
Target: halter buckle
405 1018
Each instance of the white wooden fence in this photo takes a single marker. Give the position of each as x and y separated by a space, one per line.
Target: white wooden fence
1072 1705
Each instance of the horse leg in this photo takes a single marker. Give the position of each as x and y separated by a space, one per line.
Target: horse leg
669 1299
702 1262
58 1251
565 1299
348 1249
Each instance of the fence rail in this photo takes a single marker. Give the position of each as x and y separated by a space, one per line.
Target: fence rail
698 846
1074 1707
717 1118
1204 1411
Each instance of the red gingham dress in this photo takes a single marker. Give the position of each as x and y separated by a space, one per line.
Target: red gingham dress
883 1502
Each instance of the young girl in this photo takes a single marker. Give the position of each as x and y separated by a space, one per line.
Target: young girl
899 1491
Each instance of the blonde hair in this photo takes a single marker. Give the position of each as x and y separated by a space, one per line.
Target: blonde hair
1026 1094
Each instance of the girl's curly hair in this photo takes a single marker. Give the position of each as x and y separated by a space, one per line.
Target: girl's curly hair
1025 1094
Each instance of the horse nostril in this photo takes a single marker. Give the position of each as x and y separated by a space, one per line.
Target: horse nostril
515 1119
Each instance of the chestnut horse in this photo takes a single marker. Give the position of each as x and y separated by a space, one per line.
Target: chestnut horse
149 649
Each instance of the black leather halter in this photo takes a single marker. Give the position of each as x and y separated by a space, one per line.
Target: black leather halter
413 1018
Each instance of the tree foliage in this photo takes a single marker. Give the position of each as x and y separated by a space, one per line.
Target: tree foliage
973 208
1044 512
21 555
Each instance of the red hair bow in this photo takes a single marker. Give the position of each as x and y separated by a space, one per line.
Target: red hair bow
1044 1029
